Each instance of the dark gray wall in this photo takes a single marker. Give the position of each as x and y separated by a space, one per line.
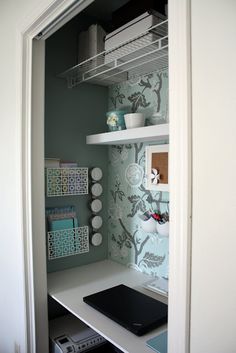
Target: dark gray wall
70 115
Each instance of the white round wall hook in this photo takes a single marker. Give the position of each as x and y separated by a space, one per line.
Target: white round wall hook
96 239
96 174
96 190
96 205
96 222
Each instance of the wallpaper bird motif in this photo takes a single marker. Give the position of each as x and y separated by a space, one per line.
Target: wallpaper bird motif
128 197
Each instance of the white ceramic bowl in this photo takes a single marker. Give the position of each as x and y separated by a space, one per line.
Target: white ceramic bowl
149 225
155 118
133 120
163 229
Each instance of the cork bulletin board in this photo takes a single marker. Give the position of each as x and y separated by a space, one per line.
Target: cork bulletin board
157 167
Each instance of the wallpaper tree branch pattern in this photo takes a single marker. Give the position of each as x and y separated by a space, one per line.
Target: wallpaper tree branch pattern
128 197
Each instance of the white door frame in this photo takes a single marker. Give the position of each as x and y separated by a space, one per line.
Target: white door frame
180 176
180 171
33 170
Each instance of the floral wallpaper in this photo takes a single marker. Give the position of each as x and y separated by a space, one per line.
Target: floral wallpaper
128 197
147 94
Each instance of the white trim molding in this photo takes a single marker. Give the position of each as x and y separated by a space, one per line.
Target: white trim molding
26 190
180 176
35 23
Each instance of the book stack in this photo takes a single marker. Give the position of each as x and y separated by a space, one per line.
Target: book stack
58 163
61 218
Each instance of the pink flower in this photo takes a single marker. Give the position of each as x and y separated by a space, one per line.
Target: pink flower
156 216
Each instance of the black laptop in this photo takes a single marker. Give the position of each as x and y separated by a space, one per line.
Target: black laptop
131 309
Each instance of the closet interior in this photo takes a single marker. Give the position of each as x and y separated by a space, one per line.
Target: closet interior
106 170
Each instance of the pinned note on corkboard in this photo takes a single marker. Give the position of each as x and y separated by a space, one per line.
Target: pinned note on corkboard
157 167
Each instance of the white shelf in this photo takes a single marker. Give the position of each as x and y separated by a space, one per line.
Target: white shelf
146 52
141 134
70 286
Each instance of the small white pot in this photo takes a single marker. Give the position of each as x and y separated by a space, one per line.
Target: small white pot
162 229
149 225
155 118
133 120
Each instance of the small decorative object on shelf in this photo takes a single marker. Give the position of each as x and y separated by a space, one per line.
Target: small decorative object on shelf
66 181
155 176
157 118
115 120
134 120
66 242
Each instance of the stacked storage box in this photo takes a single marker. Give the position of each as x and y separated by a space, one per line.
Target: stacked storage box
91 43
114 42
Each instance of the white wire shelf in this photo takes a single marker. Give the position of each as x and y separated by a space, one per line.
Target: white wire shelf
146 52
66 181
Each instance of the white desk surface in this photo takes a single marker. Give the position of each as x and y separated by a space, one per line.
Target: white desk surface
68 287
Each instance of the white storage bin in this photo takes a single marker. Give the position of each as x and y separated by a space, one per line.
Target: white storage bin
128 32
91 43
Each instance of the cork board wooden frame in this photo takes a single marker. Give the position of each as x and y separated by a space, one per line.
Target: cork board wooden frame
157 157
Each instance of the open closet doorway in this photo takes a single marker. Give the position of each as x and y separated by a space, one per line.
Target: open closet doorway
180 183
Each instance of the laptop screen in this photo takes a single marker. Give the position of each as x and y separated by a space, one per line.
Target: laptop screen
133 310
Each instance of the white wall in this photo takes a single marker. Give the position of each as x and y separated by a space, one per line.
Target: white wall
213 311
13 14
